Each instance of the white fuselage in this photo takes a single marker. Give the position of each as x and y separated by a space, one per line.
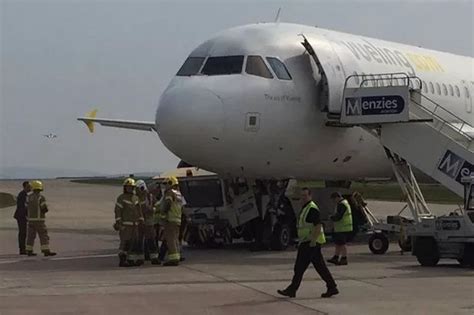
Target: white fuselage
204 119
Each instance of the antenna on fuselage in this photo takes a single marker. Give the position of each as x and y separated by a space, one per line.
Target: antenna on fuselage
277 17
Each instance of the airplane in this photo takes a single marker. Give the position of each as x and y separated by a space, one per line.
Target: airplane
252 102
50 136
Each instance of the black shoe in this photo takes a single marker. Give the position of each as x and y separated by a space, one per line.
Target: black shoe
171 264
182 259
131 263
334 260
30 253
342 262
47 253
139 262
123 263
287 293
330 292
155 262
23 252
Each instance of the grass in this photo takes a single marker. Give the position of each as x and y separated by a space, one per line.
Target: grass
387 191
116 181
390 191
6 200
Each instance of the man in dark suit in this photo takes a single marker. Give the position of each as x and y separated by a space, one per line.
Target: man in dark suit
21 216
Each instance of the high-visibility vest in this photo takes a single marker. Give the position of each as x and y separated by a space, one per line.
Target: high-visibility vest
36 206
175 212
305 229
345 224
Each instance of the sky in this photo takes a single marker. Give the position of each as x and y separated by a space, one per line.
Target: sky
61 59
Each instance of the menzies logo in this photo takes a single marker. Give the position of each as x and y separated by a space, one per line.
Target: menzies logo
455 166
374 105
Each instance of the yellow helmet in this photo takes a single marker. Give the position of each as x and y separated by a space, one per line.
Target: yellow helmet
171 181
129 182
36 185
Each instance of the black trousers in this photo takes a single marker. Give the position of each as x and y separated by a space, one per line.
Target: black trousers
22 225
306 255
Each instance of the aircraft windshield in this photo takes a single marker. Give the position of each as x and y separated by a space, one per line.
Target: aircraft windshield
191 66
202 193
279 68
223 65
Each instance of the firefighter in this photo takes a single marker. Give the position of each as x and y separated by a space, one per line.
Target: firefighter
128 220
37 208
172 206
147 237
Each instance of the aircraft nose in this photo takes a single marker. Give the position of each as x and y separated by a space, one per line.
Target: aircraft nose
189 120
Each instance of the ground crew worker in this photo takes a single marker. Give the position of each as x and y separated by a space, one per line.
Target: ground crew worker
311 237
342 228
172 206
128 218
20 216
37 208
147 238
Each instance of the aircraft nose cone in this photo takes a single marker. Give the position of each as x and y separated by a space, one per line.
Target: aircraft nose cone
189 120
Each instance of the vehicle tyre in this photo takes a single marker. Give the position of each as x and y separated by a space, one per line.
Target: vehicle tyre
378 243
405 245
426 251
281 237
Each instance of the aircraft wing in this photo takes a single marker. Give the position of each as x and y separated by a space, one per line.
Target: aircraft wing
90 120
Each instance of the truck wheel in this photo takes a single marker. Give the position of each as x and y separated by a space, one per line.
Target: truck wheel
405 245
426 251
281 237
378 243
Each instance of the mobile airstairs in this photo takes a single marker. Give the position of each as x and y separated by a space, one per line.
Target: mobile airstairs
415 131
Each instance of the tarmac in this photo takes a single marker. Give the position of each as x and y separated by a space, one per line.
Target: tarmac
84 277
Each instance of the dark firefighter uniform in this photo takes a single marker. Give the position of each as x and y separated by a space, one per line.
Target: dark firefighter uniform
128 218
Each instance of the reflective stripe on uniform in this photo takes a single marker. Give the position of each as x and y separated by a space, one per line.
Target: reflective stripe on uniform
154 256
35 219
130 202
118 205
129 223
44 247
118 219
29 247
173 257
132 257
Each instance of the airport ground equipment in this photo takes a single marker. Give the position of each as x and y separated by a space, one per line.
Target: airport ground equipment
447 236
223 209
415 131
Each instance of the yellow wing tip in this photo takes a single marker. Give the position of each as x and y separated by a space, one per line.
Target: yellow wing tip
90 124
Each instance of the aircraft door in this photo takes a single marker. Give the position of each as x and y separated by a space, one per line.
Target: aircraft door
330 69
466 95
471 101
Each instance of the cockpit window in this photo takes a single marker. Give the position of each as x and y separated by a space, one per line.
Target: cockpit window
191 66
223 65
256 66
279 68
